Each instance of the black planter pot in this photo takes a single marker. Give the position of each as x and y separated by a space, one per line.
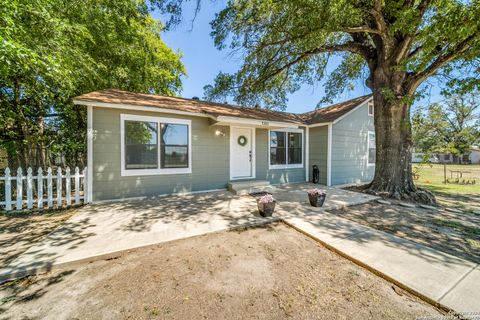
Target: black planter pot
266 209
317 200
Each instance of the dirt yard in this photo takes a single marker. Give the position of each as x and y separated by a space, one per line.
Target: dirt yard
262 273
18 232
454 233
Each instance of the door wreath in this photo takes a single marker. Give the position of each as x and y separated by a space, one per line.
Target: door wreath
242 140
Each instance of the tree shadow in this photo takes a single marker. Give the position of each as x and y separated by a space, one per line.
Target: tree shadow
423 227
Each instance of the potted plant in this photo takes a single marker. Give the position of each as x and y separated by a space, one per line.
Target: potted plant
266 205
316 197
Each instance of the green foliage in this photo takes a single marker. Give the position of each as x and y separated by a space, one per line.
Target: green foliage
284 44
449 127
52 50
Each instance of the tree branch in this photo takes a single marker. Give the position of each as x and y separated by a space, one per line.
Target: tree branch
352 47
442 60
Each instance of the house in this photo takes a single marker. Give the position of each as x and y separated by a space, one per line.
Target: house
144 144
472 157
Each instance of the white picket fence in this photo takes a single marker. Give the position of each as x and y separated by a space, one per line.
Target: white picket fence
43 191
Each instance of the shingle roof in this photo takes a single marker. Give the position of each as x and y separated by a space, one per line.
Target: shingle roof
333 112
114 96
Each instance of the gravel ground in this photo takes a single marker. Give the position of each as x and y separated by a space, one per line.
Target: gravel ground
261 273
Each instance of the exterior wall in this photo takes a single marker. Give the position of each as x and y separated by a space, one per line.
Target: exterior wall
349 148
210 160
475 156
318 152
275 176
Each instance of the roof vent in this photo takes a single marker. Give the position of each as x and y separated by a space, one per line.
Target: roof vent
257 106
196 98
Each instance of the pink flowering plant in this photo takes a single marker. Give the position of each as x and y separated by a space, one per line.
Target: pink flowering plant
266 199
317 192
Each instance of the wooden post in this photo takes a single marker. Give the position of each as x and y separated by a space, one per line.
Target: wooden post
68 195
8 190
29 188
40 189
59 187
19 203
49 188
77 186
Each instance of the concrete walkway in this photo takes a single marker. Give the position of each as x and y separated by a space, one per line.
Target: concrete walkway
102 230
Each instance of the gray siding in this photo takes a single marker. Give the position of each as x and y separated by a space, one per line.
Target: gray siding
318 152
210 160
275 176
349 148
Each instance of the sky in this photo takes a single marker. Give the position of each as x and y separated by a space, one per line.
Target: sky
203 61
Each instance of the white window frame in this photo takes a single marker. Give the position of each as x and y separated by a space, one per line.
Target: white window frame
286 166
368 148
370 103
158 171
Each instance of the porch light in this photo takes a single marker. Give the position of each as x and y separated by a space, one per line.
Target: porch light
219 133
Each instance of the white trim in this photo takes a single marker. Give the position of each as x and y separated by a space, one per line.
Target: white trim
370 103
254 122
89 154
307 154
254 156
319 125
329 155
286 166
158 171
368 148
140 108
351 111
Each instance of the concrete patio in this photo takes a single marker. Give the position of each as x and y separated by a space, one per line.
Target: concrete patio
105 228
102 230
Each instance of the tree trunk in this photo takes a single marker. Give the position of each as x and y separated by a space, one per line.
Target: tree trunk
393 169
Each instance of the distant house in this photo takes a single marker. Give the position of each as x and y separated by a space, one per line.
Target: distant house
145 145
472 157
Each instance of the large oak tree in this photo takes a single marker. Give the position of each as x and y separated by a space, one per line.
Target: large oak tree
395 45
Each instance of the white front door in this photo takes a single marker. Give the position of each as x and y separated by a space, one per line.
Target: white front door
241 153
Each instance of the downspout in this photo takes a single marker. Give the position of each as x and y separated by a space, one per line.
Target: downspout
89 154
307 153
329 155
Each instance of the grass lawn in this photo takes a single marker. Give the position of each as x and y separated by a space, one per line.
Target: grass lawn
466 197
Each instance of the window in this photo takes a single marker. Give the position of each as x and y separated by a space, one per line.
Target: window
371 109
153 145
286 149
371 149
141 145
174 145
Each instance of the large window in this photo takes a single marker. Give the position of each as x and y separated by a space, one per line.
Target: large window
154 145
286 149
141 145
174 145
371 149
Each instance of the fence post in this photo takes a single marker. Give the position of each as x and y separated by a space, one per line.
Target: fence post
8 190
77 185
85 184
39 189
19 203
68 194
49 188
29 188
59 187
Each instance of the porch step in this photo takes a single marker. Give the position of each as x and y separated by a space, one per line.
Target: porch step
248 186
